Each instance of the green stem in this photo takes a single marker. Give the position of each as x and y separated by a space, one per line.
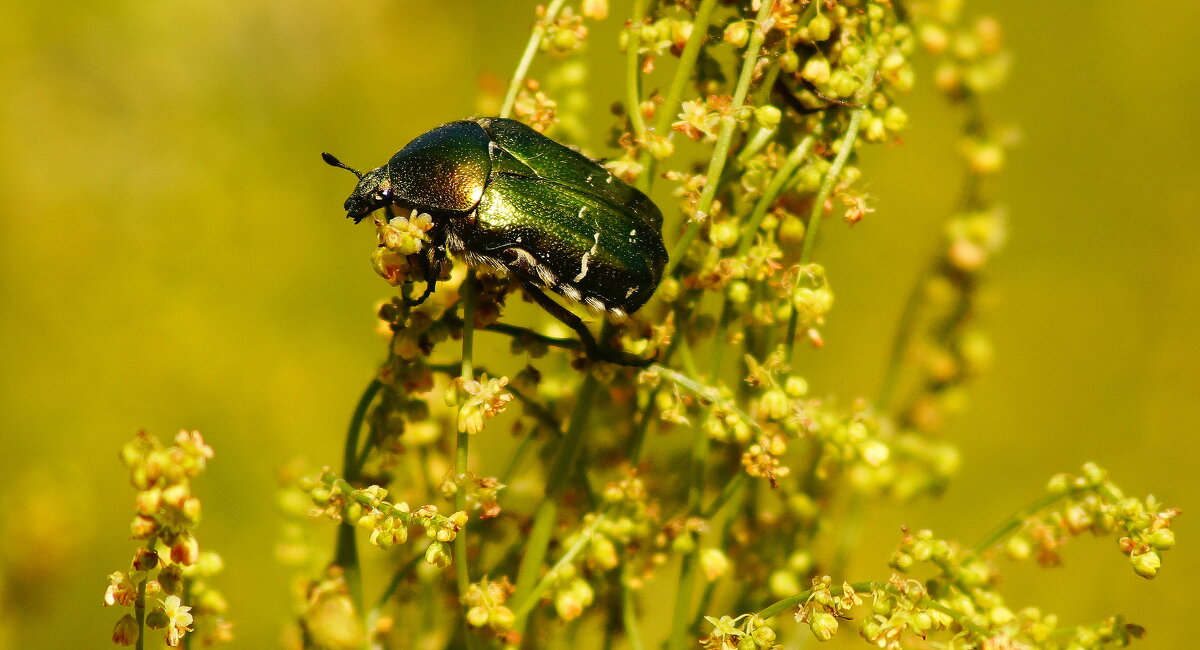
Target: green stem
514 86
532 597
139 612
724 139
731 488
560 472
463 441
904 332
346 549
667 112
1015 521
775 188
827 185
629 620
680 619
848 540
633 72
397 577
352 458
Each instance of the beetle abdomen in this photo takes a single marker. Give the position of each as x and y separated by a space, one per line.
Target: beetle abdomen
575 243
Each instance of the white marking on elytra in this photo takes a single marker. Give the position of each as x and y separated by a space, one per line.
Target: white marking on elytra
583 262
632 290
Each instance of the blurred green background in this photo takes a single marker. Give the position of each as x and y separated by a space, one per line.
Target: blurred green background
173 256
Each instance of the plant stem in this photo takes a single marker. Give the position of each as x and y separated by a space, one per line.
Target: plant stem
633 72
139 612
530 599
539 28
827 185
629 612
667 112
724 139
398 577
346 549
775 188
731 488
1017 518
547 512
467 373
904 332
683 602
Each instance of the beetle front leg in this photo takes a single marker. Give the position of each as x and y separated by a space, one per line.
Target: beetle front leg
433 268
585 335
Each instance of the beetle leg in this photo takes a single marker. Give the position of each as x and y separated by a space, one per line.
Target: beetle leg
585 335
433 268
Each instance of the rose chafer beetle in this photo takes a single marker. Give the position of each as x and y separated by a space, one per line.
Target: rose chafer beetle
507 197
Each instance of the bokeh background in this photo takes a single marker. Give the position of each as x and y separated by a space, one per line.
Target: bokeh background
172 255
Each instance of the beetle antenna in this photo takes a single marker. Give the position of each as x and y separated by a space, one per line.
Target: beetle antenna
334 162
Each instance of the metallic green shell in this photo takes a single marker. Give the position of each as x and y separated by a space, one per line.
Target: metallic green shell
444 169
570 240
553 161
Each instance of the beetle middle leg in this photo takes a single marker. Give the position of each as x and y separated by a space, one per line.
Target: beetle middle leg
576 323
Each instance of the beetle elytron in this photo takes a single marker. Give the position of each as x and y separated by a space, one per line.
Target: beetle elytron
507 197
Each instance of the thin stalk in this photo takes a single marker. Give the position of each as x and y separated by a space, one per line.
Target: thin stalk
462 443
680 619
665 113
526 604
346 549
539 28
633 631
547 512
848 539
827 185
724 138
775 188
1008 526
397 577
633 72
732 487
904 333
139 612
518 456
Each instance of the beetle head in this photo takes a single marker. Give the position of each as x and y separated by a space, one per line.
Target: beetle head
372 192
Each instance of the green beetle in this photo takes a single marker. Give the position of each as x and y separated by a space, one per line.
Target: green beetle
507 197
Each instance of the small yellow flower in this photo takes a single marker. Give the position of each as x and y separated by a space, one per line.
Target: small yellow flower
121 590
179 619
487 399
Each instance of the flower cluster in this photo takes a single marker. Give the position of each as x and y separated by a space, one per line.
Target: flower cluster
387 522
169 565
400 239
485 398
746 632
486 602
1091 503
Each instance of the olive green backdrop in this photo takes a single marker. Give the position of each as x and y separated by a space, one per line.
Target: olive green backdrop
172 255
